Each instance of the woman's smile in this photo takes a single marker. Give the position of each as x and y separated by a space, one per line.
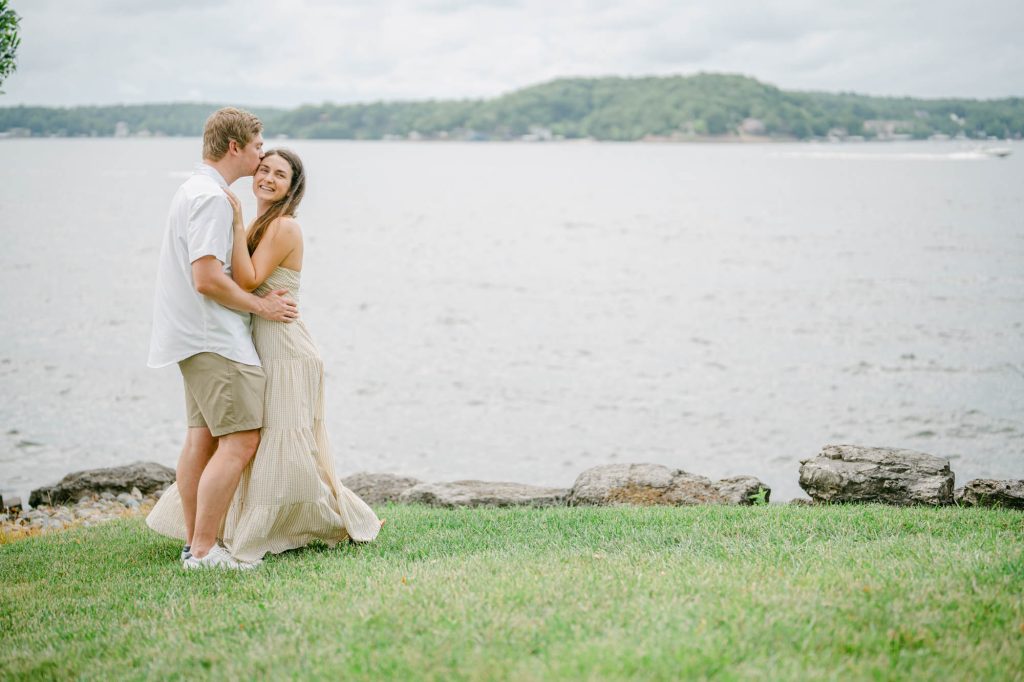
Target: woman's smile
272 179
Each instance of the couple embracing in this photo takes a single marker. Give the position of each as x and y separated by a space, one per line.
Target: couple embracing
255 475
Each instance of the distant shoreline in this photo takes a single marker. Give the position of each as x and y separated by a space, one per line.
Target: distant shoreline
715 107
709 140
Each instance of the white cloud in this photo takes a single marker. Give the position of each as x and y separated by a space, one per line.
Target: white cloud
273 53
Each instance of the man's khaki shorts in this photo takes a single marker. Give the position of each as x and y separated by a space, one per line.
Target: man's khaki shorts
222 395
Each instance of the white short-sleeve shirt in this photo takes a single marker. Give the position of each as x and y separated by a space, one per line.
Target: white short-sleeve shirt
184 321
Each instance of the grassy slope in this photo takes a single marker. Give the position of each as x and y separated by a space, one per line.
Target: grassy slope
567 593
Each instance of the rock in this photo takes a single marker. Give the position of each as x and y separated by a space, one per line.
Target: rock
742 489
136 493
801 502
106 496
127 500
379 488
649 484
985 492
12 504
483 494
855 473
146 476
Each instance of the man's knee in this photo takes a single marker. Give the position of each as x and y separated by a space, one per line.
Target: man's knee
200 441
241 445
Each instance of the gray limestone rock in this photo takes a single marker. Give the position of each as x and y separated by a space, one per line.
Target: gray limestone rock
856 473
379 488
146 476
741 489
649 484
985 492
127 500
483 494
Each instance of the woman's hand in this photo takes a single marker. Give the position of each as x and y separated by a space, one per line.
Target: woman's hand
236 207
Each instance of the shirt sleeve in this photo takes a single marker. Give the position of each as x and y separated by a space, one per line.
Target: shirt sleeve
209 228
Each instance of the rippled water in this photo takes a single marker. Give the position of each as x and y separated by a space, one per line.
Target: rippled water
521 312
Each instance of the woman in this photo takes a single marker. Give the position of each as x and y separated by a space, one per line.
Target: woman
289 494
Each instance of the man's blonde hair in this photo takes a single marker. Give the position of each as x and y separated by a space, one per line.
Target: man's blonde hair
225 125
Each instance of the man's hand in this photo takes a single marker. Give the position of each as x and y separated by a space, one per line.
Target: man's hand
212 282
277 307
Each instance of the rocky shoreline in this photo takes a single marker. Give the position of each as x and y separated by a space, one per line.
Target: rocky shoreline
90 510
838 474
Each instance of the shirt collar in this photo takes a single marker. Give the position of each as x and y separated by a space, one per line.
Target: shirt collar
209 171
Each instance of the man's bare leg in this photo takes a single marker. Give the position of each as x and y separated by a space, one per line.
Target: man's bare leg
217 486
195 455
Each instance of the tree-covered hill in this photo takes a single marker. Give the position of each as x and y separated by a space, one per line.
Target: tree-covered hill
675 107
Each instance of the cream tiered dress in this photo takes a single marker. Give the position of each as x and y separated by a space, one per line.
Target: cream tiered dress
289 494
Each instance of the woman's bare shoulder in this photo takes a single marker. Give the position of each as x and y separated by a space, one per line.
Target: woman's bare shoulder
287 227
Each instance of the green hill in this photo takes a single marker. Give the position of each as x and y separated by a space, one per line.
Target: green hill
674 107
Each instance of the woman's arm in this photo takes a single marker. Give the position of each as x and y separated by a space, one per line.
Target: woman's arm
280 239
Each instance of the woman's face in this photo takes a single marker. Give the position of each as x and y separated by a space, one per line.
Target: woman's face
273 178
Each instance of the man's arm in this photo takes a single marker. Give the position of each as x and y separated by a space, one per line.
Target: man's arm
211 281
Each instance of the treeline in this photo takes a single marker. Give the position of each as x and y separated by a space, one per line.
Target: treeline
156 119
677 107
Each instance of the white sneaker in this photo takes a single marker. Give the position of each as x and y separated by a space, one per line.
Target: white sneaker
218 557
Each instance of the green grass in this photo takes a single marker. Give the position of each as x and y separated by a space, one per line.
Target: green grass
844 592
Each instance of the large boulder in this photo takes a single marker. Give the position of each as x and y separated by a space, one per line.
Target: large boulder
483 494
985 492
855 473
379 488
650 484
148 477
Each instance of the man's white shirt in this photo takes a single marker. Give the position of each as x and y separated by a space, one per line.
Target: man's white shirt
184 321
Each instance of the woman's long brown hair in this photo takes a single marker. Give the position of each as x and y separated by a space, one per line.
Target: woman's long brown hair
286 205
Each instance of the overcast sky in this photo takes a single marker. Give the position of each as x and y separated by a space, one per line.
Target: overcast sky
290 52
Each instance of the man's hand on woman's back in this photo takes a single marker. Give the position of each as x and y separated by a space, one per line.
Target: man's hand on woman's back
279 308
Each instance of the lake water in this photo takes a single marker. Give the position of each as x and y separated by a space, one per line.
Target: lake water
522 312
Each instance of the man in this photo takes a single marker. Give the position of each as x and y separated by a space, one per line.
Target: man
201 322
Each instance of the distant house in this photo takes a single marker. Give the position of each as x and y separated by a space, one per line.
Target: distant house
537 134
887 130
753 126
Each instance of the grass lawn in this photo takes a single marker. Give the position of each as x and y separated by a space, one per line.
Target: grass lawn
842 592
